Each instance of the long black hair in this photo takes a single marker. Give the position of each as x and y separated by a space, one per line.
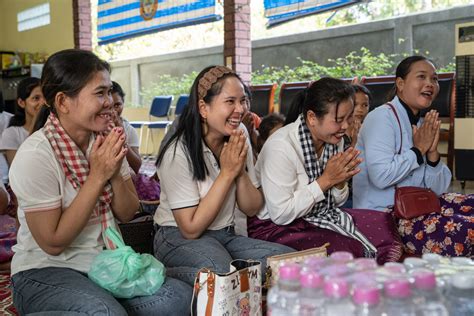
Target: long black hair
25 87
189 127
318 96
403 69
66 71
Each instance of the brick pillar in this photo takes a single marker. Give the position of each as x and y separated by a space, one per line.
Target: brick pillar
81 10
237 43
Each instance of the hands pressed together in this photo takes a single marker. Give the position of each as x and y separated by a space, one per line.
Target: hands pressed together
107 154
339 169
426 137
234 154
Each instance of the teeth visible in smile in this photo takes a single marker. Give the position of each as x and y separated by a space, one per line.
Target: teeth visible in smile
105 116
427 93
233 121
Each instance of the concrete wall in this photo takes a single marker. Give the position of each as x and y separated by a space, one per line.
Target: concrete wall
50 38
432 32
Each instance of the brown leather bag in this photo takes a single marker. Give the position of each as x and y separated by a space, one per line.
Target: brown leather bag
411 202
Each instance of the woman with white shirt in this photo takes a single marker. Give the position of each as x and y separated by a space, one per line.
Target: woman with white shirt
72 182
206 169
29 102
304 173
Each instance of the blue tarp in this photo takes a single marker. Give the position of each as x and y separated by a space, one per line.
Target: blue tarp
120 19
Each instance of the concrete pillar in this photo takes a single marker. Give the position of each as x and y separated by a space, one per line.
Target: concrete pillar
237 42
82 24
135 82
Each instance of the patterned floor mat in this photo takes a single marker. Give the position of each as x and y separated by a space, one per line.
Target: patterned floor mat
6 304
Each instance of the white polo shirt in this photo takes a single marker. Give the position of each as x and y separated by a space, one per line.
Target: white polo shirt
180 190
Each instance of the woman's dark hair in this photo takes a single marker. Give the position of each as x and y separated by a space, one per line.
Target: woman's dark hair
23 92
67 71
403 69
363 89
116 88
317 97
189 126
268 123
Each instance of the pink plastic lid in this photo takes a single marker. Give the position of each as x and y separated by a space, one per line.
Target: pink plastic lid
289 271
336 287
311 280
425 279
335 270
397 288
315 263
364 264
366 294
394 267
341 256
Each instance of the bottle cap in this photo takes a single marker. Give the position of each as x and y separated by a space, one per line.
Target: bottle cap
341 256
311 279
336 287
397 288
289 271
424 279
366 294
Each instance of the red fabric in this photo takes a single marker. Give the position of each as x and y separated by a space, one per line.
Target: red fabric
256 120
378 227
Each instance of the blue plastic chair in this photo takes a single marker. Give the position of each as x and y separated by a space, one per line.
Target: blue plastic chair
160 108
182 102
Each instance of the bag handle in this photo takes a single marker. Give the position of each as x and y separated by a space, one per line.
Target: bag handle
115 237
399 125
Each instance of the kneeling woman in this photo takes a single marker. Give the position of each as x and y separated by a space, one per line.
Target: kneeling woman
304 173
71 183
205 168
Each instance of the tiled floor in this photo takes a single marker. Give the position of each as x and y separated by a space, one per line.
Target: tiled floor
456 187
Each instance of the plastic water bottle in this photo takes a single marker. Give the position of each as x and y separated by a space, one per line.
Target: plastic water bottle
363 264
283 298
428 300
311 295
461 294
367 300
415 263
337 301
314 263
398 298
341 256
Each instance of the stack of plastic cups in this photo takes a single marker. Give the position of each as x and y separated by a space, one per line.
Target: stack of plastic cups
398 300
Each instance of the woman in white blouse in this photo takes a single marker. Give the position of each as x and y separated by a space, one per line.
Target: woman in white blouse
304 172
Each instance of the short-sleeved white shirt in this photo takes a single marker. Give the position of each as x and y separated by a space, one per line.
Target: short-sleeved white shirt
13 137
180 190
131 134
4 121
39 183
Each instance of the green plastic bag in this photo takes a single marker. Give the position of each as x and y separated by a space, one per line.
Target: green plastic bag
125 273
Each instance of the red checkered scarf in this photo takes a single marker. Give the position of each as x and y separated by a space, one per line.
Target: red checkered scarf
76 168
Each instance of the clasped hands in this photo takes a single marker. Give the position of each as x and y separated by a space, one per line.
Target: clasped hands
339 169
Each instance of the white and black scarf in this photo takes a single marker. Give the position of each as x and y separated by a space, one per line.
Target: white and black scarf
325 214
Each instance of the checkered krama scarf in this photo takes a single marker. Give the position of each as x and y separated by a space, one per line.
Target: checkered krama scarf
76 168
326 214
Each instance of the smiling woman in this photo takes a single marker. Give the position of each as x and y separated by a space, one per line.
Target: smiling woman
29 102
72 182
206 169
304 172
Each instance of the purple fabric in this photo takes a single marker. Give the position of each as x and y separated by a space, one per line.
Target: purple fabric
378 227
148 189
450 233
7 237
